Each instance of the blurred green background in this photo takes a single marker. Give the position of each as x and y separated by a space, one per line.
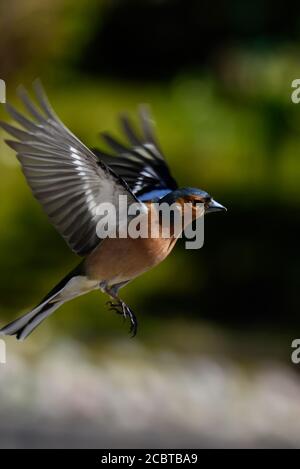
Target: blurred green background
219 84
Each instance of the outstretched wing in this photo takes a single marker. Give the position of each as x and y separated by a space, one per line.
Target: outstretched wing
68 179
141 164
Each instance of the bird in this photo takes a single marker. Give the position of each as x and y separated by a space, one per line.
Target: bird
71 180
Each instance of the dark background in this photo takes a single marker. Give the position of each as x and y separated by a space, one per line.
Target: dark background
218 78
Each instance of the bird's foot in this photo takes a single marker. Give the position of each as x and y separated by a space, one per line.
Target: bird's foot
121 308
116 307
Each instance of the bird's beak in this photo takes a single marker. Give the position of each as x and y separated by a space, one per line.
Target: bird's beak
214 206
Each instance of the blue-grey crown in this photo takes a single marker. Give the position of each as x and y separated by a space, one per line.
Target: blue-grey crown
182 193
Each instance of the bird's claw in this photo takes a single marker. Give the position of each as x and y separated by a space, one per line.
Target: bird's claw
121 308
116 307
133 321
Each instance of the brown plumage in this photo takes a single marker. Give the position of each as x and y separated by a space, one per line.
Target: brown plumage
118 260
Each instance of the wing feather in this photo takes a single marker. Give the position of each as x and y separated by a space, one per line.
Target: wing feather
67 178
142 164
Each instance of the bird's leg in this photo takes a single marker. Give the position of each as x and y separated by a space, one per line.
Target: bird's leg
120 307
115 306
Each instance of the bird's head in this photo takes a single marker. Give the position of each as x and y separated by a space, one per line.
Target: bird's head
198 198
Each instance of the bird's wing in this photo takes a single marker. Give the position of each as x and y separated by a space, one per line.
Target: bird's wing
68 179
141 164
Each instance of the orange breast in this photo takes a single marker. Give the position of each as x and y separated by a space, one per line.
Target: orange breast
117 260
120 259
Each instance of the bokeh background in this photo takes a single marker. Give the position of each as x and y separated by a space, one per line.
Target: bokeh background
211 365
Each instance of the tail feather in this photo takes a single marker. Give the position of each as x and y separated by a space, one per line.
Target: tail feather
29 327
13 327
24 325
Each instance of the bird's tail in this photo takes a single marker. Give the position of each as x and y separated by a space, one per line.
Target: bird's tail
74 284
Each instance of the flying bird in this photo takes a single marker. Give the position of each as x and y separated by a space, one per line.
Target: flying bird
70 181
